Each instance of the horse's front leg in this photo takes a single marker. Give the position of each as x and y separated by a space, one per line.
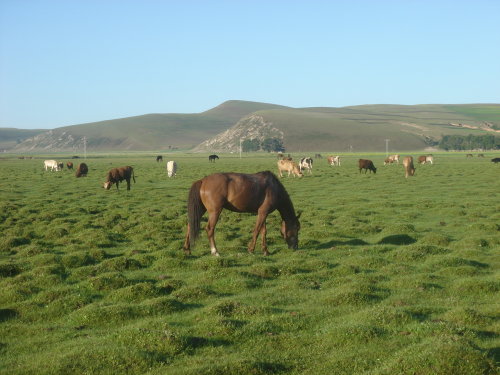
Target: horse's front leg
263 233
213 217
259 224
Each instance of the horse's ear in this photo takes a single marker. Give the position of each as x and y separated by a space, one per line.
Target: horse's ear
298 214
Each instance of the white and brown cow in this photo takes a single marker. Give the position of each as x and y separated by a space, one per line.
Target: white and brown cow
424 159
391 159
289 166
171 168
333 160
409 167
306 163
116 175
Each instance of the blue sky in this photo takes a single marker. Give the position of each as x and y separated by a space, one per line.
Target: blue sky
76 61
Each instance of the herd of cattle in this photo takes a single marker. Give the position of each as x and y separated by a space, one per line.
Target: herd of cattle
285 164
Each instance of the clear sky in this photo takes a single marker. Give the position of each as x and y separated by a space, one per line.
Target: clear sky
66 62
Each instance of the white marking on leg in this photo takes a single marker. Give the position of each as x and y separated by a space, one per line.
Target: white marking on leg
214 251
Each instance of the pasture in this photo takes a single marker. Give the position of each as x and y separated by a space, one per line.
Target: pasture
392 275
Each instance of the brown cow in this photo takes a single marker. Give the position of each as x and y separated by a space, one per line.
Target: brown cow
69 165
82 170
290 167
116 175
366 165
409 167
468 155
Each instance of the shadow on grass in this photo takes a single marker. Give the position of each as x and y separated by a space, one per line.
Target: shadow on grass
397 239
6 314
494 353
330 244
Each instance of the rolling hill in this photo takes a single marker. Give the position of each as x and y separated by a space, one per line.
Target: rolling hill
219 129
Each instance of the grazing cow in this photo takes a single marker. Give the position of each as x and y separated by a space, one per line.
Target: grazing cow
306 163
424 159
468 155
116 175
212 158
52 164
333 160
171 168
409 167
395 158
290 167
82 170
480 155
69 165
318 156
366 165
391 159
60 166
495 160
159 158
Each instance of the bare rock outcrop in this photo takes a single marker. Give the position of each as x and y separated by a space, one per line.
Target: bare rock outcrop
250 127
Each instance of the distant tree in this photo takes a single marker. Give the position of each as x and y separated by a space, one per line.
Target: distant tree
470 142
273 145
250 145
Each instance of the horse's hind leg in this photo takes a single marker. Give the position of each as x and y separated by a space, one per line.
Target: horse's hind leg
187 242
213 217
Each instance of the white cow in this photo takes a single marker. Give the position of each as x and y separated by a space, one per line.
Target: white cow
52 164
306 163
171 168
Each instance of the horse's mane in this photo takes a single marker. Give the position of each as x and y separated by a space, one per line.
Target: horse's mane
278 187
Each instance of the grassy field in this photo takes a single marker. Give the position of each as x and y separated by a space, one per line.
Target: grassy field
392 275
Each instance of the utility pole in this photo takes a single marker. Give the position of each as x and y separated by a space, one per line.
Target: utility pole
85 147
240 146
387 147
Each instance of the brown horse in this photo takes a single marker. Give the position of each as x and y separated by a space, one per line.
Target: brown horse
259 193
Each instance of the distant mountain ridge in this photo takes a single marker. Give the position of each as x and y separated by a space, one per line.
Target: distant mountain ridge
221 128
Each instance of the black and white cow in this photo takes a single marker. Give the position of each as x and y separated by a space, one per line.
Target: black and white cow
306 163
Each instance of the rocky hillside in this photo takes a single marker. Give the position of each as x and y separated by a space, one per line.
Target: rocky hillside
251 127
221 129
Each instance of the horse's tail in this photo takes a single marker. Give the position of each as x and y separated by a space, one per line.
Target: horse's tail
133 175
195 211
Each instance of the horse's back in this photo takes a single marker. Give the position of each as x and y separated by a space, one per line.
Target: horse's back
237 191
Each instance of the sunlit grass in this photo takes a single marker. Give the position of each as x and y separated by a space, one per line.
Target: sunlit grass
392 275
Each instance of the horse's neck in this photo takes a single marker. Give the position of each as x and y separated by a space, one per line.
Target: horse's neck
286 210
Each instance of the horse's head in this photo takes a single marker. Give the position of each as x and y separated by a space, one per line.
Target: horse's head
290 232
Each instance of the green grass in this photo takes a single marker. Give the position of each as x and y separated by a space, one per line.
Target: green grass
392 275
